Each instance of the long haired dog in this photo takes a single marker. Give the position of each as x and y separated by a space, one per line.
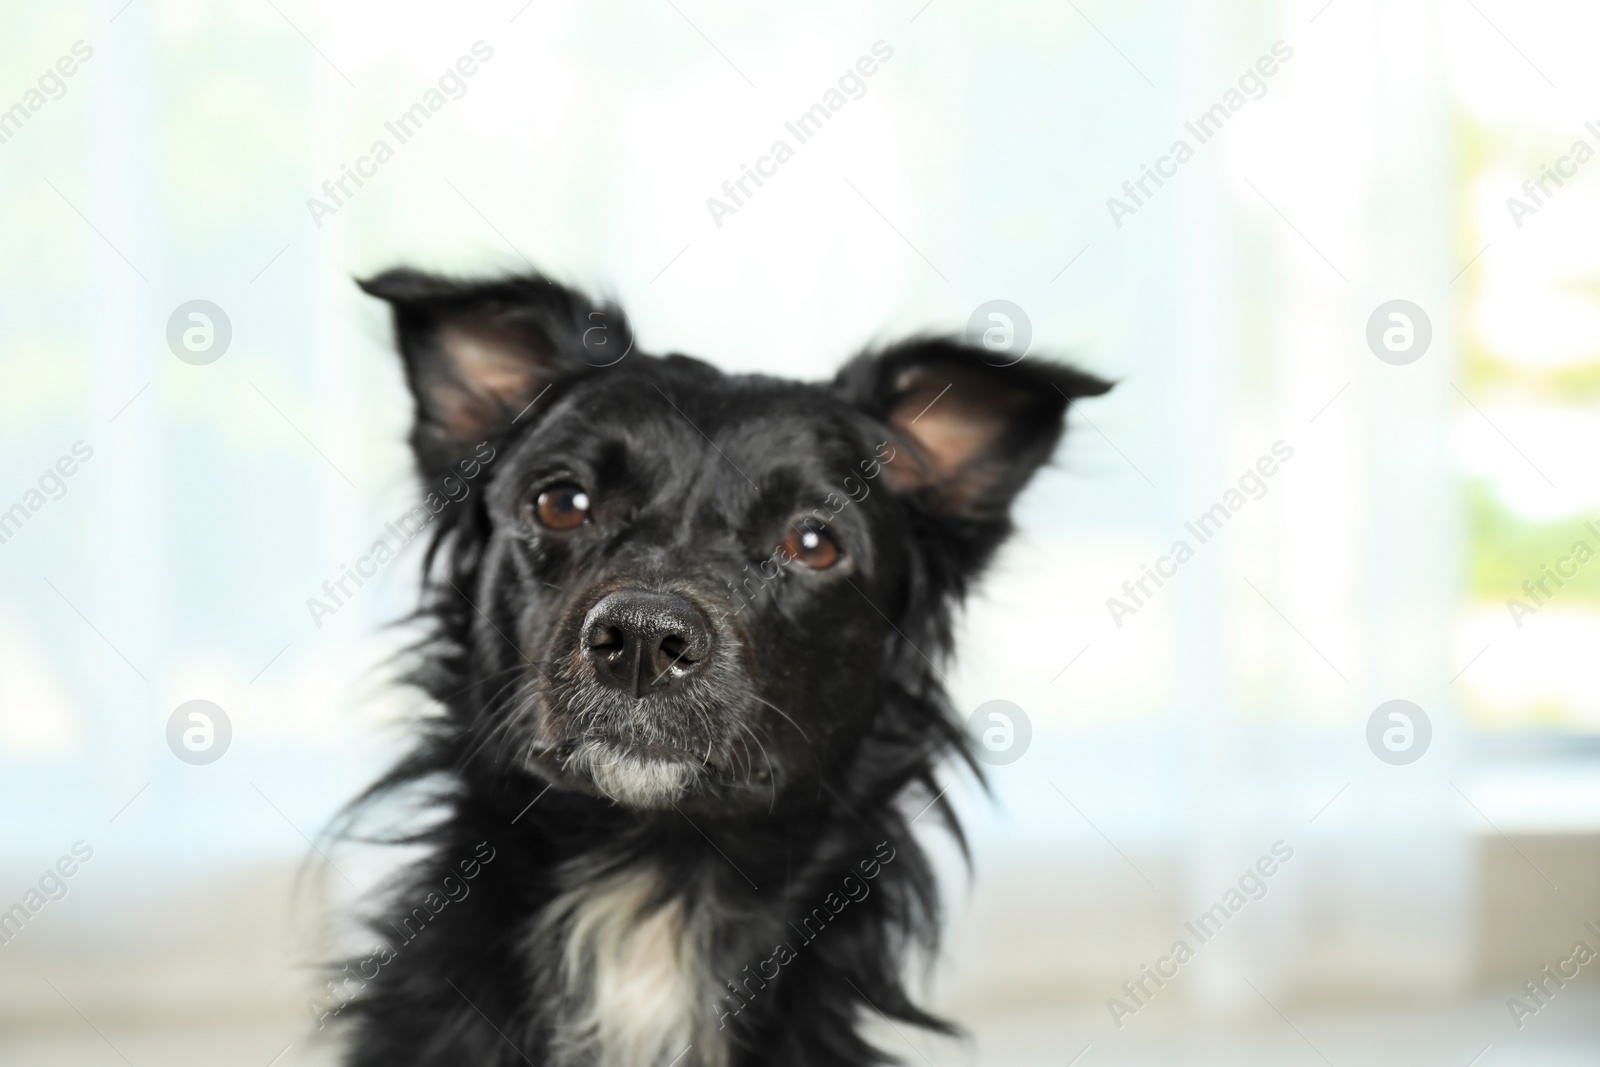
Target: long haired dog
682 643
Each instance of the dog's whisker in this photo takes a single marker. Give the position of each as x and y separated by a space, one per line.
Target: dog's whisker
501 728
760 700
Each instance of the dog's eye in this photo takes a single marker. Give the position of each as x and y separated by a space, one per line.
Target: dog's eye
812 546
563 506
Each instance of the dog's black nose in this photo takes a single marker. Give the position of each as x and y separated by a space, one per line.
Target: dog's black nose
639 640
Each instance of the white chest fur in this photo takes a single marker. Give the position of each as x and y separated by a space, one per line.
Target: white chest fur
632 962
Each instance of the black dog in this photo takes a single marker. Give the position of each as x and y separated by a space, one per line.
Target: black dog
682 644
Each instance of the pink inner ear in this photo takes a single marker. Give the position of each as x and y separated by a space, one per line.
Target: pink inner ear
490 370
954 418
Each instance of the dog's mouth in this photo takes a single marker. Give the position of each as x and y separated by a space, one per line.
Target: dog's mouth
663 753
640 776
657 776
657 771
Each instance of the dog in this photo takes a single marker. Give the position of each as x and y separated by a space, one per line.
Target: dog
681 643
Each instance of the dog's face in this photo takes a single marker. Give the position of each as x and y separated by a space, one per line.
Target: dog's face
694 587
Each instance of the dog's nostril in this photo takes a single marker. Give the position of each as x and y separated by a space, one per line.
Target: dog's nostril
606 639
673 651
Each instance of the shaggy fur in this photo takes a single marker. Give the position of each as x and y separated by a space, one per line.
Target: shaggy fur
709 864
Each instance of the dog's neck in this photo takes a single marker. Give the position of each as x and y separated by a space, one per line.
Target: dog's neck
639 950
633 955
652 949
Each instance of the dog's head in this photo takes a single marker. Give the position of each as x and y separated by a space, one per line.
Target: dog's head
678 585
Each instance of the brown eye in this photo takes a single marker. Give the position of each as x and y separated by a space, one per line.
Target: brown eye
563 506
812 546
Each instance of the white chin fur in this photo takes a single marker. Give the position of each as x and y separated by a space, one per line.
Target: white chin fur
627 779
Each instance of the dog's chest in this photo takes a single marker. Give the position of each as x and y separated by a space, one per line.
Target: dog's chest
632 969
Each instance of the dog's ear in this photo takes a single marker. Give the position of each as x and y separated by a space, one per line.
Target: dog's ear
478 355
975 432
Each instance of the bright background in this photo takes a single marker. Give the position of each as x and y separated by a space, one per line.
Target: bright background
1168 753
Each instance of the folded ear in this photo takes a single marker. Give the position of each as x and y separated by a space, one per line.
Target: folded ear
976 432
479 353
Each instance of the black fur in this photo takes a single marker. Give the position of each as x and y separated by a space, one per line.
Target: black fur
808 737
